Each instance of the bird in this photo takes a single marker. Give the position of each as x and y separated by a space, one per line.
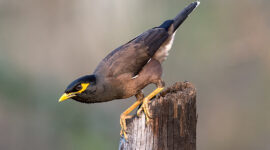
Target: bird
125 71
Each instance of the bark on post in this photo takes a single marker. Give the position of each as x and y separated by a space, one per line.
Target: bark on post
173 126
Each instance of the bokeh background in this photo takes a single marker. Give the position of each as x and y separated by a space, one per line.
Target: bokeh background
222 48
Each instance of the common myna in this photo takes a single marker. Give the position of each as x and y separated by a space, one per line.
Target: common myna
128 69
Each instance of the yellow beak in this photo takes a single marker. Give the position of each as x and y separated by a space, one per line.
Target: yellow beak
66 96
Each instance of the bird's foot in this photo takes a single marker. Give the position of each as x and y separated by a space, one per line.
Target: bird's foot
123 124
146 111
125 116
145 102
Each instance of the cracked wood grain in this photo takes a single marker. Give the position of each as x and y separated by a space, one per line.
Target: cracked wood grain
173 126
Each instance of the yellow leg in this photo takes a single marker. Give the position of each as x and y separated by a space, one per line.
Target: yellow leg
125 116
145 102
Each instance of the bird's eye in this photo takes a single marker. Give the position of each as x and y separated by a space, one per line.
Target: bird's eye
78 87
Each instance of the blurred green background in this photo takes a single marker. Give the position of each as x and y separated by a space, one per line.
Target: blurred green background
222 48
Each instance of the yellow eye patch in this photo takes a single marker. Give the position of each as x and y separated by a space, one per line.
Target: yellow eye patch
84 87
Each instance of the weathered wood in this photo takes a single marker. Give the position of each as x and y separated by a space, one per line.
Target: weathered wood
173 126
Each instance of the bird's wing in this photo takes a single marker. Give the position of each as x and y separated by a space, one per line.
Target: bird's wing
132 56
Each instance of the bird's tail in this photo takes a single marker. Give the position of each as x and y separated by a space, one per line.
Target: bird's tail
180 18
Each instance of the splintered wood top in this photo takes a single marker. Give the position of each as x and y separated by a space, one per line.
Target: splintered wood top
173 125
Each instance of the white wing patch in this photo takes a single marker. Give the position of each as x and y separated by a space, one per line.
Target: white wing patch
163 52
135 77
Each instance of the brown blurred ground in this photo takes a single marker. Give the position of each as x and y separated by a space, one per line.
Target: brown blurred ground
223 48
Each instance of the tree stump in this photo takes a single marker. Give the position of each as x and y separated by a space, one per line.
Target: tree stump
173 126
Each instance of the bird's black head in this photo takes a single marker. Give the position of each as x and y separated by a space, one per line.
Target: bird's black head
80 89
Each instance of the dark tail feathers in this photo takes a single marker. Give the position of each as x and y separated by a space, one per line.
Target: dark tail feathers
180 18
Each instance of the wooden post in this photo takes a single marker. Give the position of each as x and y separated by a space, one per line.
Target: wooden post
173 126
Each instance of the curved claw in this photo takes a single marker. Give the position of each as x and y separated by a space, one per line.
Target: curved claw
123 131
139 112
125 116
146 111
144 106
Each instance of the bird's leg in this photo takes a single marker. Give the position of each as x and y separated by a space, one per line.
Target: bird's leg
144 107
125 115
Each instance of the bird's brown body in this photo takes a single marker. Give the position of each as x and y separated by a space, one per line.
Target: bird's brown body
128 69
129 86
